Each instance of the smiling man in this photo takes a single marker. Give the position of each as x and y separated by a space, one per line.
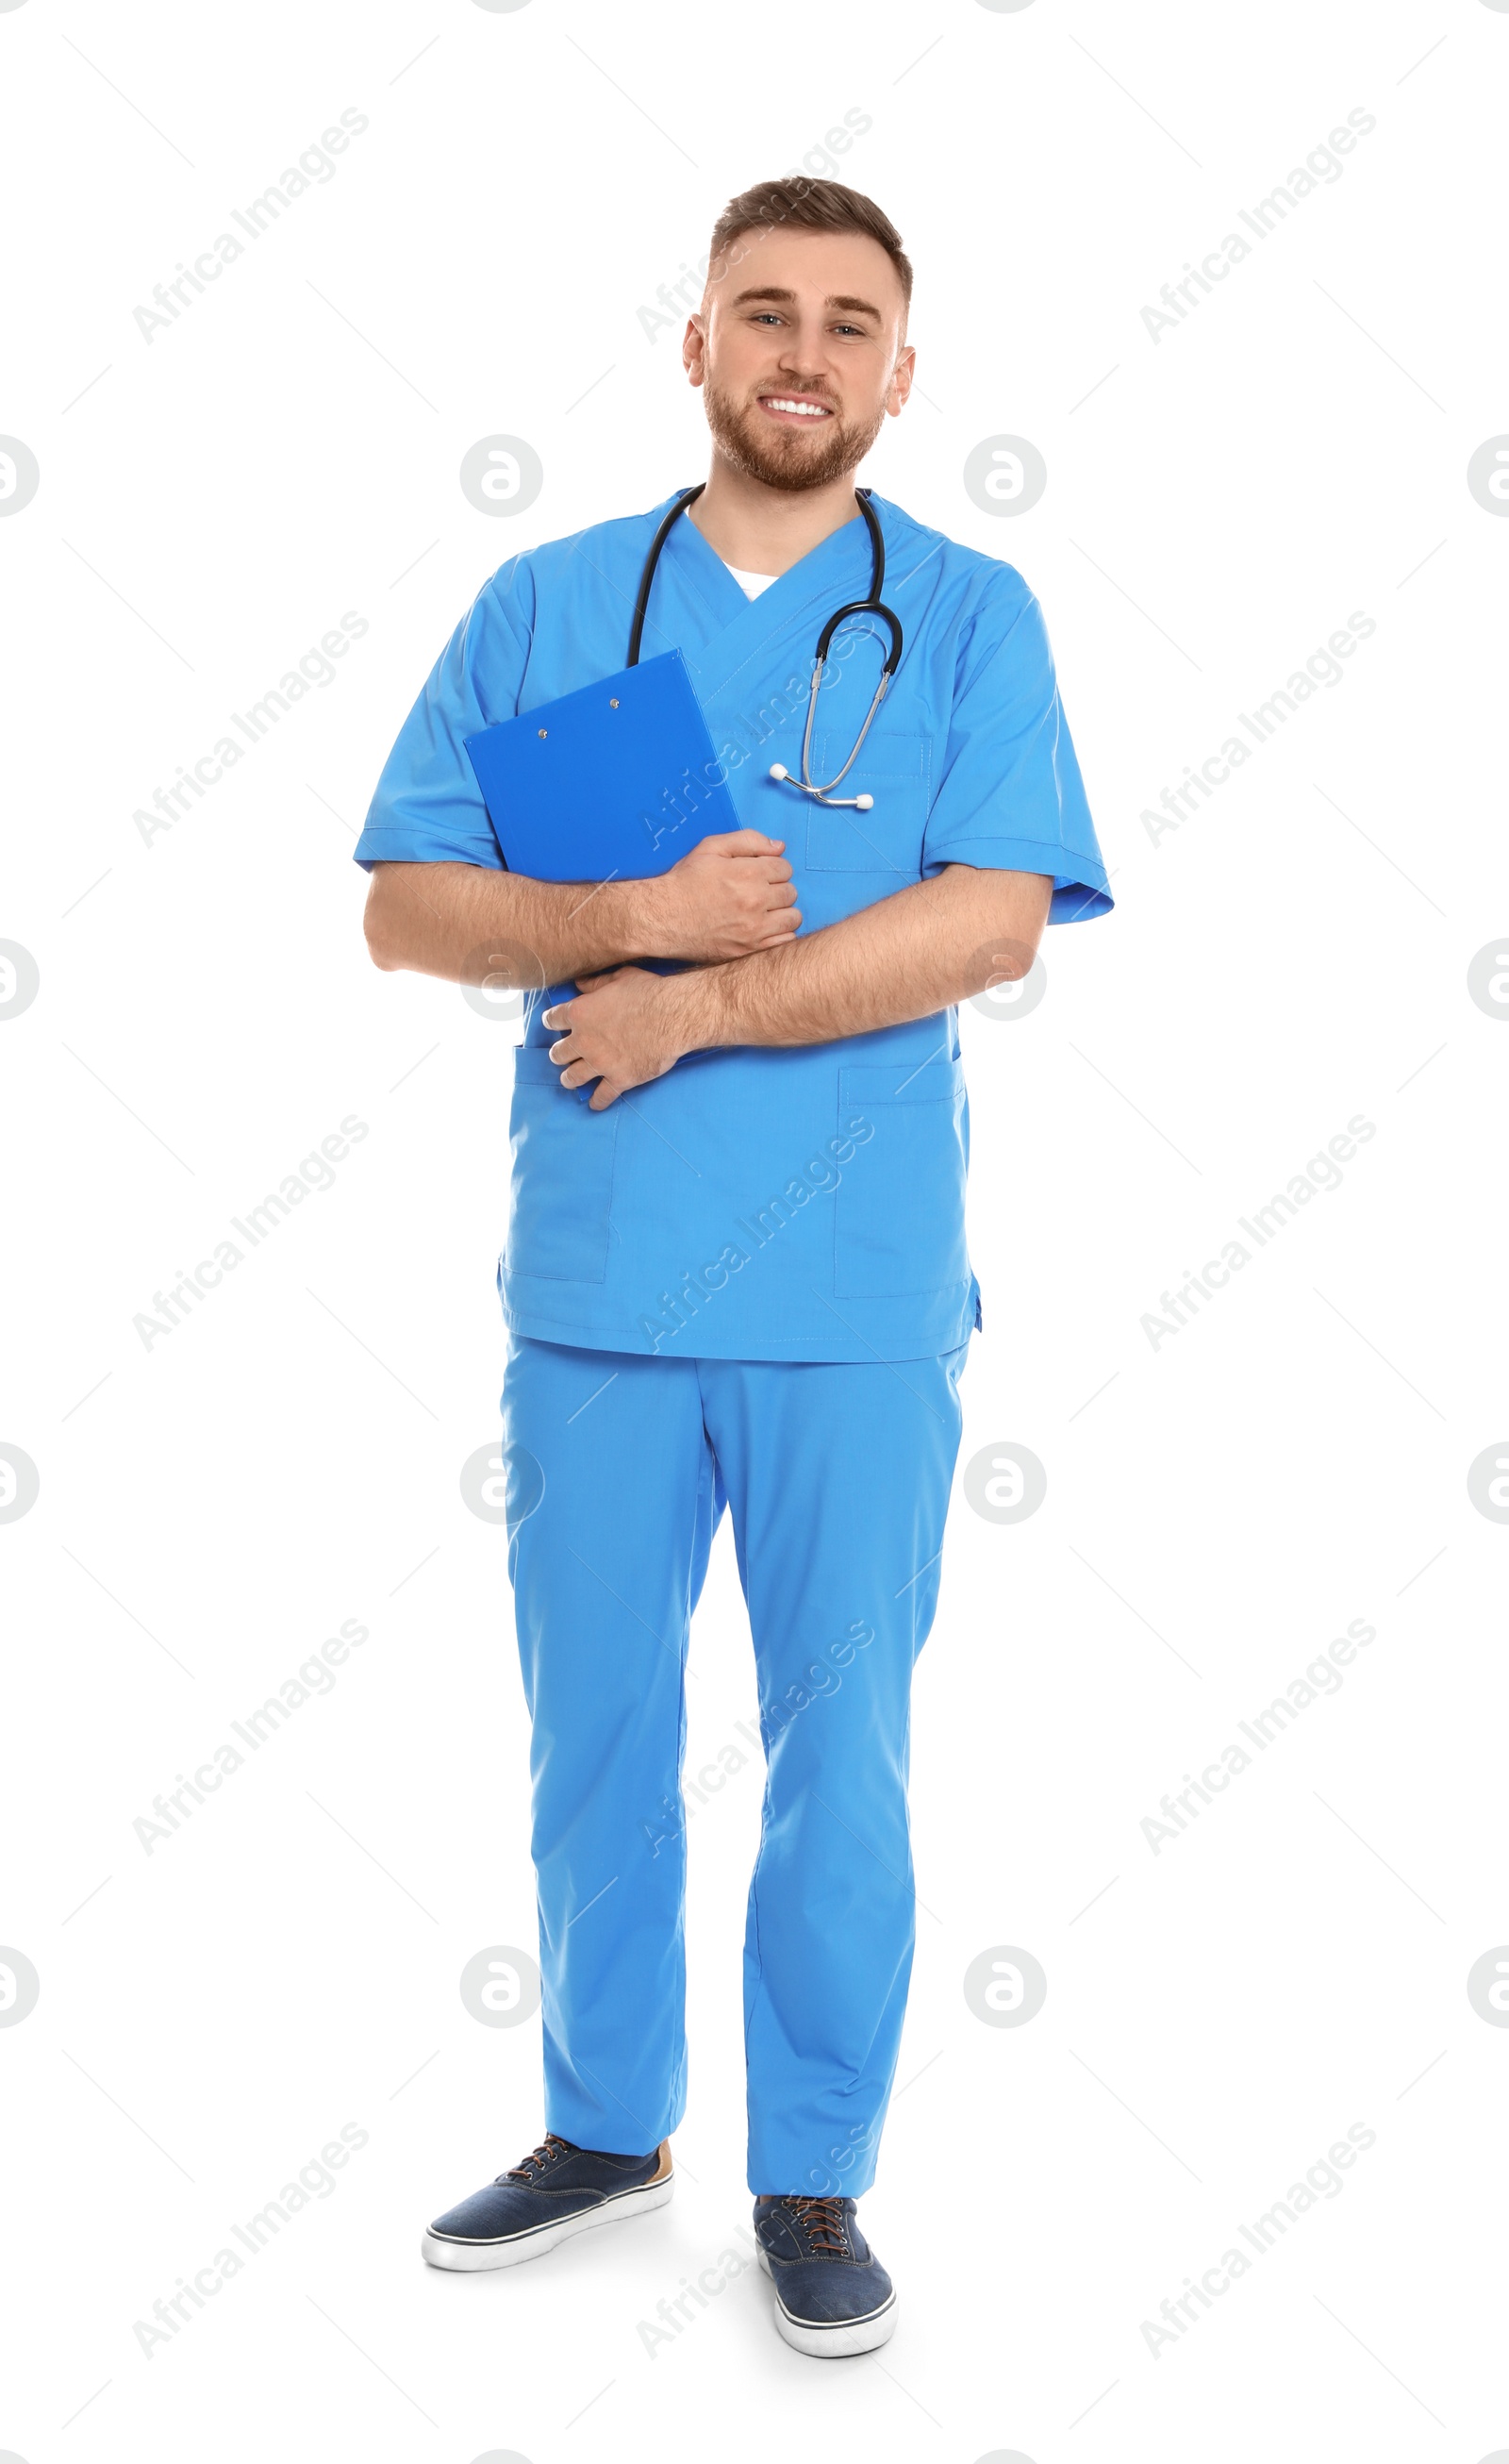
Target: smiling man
736 1271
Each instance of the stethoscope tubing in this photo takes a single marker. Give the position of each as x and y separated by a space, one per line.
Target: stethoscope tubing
872 606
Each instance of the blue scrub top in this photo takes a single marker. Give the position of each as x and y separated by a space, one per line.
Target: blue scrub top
755 1203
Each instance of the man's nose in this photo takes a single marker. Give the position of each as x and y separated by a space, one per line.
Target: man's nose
805 368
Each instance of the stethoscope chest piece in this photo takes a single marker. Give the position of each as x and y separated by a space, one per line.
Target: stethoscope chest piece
860 804
872 606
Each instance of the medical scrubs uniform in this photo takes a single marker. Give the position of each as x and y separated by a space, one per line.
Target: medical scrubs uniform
745 1283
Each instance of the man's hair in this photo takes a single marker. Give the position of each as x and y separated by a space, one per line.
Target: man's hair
806 205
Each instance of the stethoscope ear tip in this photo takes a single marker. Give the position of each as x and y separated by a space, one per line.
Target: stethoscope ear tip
778 770
863 804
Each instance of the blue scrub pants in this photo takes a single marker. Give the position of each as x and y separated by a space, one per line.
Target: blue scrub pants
838 1477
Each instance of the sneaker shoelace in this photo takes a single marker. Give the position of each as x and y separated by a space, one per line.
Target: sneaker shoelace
825 2226
549 2151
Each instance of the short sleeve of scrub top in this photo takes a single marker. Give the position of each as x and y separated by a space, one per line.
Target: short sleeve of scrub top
428 808
1010 795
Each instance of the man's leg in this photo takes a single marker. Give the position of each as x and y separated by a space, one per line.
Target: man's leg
613 1502
838 1477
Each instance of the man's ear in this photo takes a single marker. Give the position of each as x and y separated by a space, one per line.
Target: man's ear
902 374
694 350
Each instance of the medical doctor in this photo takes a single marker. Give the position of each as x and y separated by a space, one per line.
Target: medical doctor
738 1274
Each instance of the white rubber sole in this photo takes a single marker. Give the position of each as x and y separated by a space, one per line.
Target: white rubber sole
844 2338
471 2257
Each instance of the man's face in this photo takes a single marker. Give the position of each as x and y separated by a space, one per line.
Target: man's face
800 354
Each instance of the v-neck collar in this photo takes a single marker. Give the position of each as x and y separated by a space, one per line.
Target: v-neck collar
743 629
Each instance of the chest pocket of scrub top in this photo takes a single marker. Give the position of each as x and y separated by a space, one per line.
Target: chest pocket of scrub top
887 839
899 1207
562 1177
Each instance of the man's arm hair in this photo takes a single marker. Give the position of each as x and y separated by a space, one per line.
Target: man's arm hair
911 954
729 894
462 921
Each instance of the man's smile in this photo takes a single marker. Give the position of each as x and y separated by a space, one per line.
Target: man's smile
794 410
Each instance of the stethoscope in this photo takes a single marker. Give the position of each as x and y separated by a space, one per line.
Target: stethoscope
872 606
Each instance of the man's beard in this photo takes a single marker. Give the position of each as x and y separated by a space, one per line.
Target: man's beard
779 457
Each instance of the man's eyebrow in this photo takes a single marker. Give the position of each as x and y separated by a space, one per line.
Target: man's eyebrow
788 299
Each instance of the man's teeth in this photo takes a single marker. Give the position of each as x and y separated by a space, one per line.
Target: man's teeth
812 410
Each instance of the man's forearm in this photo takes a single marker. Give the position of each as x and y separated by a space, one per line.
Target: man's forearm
462 921
907 956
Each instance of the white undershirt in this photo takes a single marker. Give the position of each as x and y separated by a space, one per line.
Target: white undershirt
752 583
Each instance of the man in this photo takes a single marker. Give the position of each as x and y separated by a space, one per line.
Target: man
738 1274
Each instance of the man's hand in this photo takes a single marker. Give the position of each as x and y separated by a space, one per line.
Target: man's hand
910 956
623 1028
727 897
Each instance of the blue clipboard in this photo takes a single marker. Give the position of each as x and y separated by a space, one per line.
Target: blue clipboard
617 782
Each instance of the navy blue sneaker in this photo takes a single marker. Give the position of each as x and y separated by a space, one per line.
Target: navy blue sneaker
832 2295
548 2197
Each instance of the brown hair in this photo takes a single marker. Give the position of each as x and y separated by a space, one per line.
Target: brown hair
806 205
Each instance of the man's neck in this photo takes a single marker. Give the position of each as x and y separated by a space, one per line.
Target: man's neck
759 529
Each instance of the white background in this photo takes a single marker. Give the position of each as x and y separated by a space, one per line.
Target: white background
1219 1507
